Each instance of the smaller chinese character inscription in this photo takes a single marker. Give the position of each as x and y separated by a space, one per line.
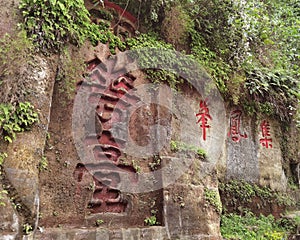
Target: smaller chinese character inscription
265 132
204 116
235 125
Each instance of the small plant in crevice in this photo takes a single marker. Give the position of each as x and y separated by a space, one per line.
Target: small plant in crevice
213 198
156 163
99 222
152 220
43 164
136 166
27 228
16 119
3 155
292 183
178 146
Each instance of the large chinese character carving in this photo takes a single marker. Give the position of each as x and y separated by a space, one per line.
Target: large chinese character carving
203 116
111 94
235 126
265 131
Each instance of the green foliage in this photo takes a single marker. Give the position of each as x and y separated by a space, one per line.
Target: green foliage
242 191
176 26
290 223
177 146
250 48
27 228
16 119
13 48
250 227
213 198
155 164
43 164
2 157
69 71
152 220
217 68
167 64
136 166
278 89
52 23
293 183
99 222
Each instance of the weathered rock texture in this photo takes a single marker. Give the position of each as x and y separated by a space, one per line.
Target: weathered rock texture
120 169
253 157
21 173
9 220
115 143
9 16
21 167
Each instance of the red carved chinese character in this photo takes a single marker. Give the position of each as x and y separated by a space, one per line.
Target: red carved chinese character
204 116
235 124
265 131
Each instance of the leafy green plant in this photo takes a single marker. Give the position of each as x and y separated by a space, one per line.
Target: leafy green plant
242 191
155 164
177 146
43 164
258 64
136 166
213 198
16 119
99 222
275 92
176 26
69 71
168 65
250 227
52 23
292 183
3 155
152 220
27 228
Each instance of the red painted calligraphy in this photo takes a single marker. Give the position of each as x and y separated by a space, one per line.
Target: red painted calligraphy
265 131
235 125
109 92
204 116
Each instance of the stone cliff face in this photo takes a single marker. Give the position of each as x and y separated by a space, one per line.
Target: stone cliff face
124 154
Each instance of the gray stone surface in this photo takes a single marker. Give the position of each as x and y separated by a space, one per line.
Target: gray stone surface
9 219
25 152
151 233
242 162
